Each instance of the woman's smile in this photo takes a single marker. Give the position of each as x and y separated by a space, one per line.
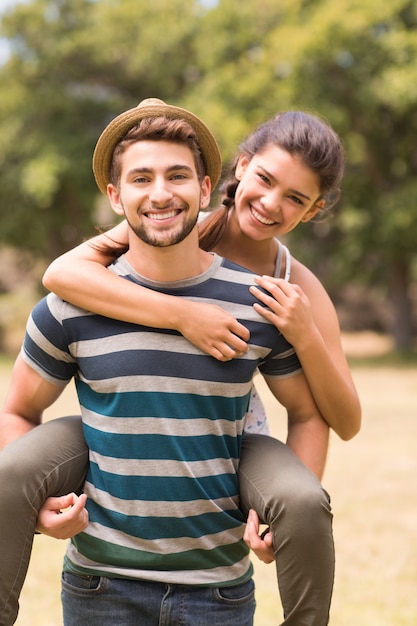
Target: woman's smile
261 218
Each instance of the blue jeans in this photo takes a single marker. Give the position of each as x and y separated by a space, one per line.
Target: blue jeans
100 601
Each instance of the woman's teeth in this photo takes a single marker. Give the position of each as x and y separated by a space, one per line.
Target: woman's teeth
261 218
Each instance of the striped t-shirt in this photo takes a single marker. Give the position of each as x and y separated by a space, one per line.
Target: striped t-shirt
163 422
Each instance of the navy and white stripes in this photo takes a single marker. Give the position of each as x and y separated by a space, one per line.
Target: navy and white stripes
164 423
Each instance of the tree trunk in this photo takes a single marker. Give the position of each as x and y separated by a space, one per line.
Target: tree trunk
402 324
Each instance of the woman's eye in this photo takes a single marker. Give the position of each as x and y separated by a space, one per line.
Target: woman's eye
264 179
297 200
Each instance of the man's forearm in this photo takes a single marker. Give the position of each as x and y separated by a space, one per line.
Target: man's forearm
12 427
29 395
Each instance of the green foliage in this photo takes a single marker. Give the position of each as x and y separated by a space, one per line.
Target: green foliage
74 64
355 64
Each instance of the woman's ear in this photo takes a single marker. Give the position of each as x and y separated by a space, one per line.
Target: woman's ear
242 164
312 212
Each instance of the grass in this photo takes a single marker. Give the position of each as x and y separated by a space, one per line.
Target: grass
372 481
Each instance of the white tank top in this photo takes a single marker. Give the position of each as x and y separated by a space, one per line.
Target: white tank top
256 420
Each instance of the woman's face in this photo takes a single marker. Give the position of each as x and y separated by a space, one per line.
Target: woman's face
275 193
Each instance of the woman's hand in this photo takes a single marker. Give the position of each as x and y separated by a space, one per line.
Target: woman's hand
214 331
288 308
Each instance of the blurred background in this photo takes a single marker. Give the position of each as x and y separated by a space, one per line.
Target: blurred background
67 67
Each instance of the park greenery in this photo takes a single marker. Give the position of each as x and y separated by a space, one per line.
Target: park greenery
72 65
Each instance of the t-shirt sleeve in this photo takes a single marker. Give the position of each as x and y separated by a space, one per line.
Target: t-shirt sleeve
45 346
281 365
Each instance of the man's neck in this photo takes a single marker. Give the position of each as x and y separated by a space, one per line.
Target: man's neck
170 263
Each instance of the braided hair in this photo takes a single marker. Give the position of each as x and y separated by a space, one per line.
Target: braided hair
300 134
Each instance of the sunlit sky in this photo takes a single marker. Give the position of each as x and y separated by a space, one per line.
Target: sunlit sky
5 4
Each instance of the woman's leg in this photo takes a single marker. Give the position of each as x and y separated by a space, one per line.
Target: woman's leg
50 460
290 499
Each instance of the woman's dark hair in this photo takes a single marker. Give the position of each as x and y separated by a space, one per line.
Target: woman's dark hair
302 135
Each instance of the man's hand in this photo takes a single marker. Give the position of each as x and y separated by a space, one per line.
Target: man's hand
261 545
63 517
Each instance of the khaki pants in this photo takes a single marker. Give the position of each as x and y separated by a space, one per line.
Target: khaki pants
51 460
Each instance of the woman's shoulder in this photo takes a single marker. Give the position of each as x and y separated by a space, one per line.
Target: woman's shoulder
301 275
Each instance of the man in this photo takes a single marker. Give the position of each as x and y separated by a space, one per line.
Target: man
163 422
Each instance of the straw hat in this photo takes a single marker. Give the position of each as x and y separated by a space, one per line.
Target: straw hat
152 107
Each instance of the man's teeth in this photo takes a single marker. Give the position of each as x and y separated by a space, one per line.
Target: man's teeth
261 218
162 216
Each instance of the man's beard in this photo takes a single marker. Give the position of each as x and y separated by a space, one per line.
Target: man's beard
160 239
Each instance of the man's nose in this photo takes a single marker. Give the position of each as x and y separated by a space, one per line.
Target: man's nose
160 192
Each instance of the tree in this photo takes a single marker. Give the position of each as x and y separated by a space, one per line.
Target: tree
354 63
369 79
73 65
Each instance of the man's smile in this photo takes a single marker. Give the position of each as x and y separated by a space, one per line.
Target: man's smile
162 215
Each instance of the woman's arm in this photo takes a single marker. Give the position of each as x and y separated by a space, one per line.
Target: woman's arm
81 277
308 433
305 315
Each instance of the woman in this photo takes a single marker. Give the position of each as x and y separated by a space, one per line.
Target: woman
263 199
286 173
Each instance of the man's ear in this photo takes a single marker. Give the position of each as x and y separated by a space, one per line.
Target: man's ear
312 212
242 164
114 197
205 192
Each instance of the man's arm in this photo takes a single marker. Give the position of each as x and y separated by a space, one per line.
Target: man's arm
63 517
29 395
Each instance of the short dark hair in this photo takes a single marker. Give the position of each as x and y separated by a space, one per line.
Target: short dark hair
158 129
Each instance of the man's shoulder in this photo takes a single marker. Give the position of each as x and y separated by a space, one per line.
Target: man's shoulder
233 266
53 308
232 272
